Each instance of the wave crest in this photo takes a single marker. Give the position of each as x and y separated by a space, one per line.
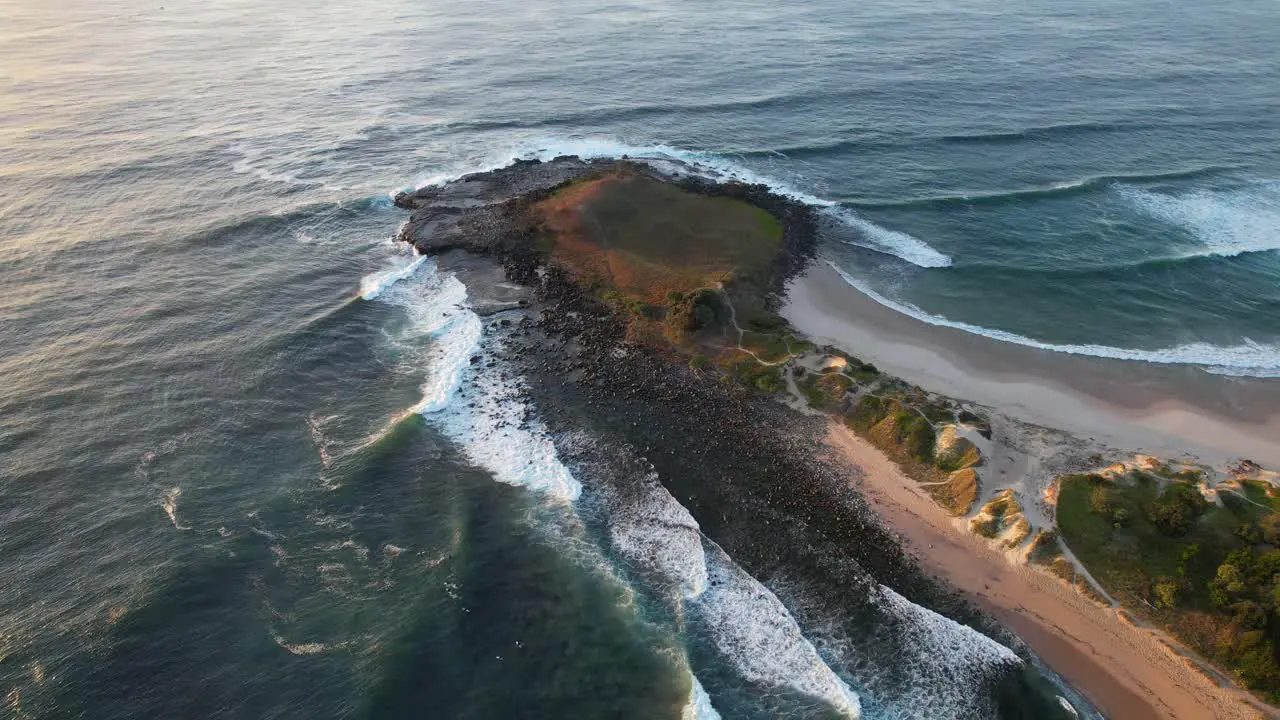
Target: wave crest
1048 190
1249 359
718 167
1227 223
477 405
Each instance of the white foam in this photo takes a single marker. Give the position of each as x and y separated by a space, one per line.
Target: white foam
648 527
1072 184
374 284
1251 359
948 661
663 535
315 428
746 623
1226 222
893 242
475 405
451 332
753 629
712 166
699 707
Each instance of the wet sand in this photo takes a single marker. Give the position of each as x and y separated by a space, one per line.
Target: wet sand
1125 671
1167 410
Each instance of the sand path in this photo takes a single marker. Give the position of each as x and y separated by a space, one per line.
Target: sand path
1125 671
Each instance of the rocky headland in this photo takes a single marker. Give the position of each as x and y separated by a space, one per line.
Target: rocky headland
650 316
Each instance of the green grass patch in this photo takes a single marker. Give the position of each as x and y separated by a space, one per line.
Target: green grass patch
1261 492
771 347
824 390
745 370
1107 524
1208 574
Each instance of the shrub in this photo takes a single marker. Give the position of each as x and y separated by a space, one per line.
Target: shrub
1227 585
1101 498
916 435
1119 516
770 382
1257 668
1167 592
1189 553
701 317
1175 511
1270 526
1249 532
1249 615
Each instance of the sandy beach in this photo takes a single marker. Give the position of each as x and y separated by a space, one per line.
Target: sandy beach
1125 671
1167 410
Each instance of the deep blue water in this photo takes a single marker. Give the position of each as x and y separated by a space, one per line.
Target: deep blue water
206 506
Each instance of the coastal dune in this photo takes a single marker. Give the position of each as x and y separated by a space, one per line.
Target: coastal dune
1165 410
1126 671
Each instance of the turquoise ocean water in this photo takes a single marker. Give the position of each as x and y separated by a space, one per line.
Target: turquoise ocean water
208 506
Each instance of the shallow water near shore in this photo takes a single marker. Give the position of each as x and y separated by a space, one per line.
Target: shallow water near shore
228 474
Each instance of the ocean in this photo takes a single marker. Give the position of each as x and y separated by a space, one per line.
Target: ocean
245 470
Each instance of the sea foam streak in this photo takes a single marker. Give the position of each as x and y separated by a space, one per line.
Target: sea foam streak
753 628
712 166
372 285
476 406
699 707
1249 359
947 659
1226 222
748 625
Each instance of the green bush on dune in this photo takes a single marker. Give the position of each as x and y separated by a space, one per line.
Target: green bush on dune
1209 574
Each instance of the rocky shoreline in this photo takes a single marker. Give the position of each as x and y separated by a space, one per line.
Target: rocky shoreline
752 472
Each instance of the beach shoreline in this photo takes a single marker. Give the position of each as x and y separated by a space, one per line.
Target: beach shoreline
1122 669
1014 398
1083 405
1172 411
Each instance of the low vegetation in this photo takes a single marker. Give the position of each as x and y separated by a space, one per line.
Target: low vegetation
917 431
689 273
1209 573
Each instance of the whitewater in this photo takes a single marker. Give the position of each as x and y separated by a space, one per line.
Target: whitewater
271 482
471 392
1224 224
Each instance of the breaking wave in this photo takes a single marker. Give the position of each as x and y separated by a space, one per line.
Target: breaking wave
749 628
1224 223
753 629
1248 359
476 406
713 166
699 707
475 399
948 660
371 286
1073 186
